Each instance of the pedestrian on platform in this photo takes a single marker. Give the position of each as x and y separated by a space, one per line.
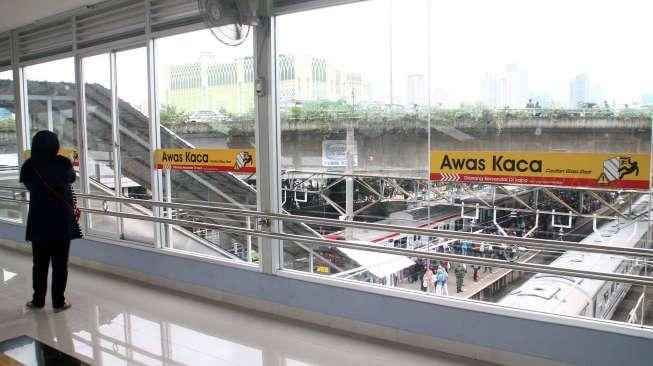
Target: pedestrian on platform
477 269
422 272
489 253
464 246
441 278
51 222
445 265
429 280
460 272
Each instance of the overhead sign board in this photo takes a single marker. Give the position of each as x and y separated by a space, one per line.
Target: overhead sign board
224 160
71 154
334 153
590 170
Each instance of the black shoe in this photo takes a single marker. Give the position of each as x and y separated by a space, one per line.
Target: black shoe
66 306
31 305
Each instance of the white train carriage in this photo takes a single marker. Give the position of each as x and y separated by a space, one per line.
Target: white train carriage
580 296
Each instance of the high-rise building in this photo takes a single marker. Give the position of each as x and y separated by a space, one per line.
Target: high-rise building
515 87
229 87
490 91
647 99
596 94
415 89
579 91
508 90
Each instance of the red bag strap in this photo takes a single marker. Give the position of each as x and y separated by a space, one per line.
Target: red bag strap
52 190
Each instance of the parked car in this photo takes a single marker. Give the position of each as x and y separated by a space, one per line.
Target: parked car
204 116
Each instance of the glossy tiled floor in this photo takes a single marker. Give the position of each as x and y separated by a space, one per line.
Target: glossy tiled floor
115 322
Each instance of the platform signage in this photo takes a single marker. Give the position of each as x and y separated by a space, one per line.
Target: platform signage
71 154
224 160
323 269
334 154
590 170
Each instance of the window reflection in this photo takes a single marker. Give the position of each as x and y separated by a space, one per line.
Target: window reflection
206 98
128 338
51 100
100 160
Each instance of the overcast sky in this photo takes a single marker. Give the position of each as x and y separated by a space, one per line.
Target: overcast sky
454 42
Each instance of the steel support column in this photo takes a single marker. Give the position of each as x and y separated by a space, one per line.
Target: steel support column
268 139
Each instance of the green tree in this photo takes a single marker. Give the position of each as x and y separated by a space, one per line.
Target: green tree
7 125
169 115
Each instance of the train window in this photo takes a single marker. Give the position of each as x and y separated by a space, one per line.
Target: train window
403 242
396 244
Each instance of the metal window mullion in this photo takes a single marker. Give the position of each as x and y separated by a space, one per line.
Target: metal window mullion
267 141
82 137
156 182
20 108
115 135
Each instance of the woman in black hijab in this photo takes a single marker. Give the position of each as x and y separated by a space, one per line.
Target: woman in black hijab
50 221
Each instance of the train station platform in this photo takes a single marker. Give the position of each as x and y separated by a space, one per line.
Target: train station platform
470 287
489 279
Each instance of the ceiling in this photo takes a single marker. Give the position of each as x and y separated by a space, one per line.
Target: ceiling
15 13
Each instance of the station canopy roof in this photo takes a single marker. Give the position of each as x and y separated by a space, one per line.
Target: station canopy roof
379 264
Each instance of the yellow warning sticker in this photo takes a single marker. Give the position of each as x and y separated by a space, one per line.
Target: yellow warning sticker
226 160
609 170
71 154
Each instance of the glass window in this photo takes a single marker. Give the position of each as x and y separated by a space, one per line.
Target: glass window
8 146
206 99
354 138
414 112
134 141
51 100
100 162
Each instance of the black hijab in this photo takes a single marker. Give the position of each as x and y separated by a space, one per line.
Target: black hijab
45 146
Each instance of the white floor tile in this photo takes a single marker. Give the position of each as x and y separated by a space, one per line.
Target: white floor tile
116 322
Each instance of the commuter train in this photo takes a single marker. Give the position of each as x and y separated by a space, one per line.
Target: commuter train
580 296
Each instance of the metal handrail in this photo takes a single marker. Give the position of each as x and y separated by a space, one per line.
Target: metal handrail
541 244
462 205
528 267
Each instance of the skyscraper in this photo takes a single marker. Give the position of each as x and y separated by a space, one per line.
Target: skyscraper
509 90
415 89
579 91
516 87
596 94
490 91
647 99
